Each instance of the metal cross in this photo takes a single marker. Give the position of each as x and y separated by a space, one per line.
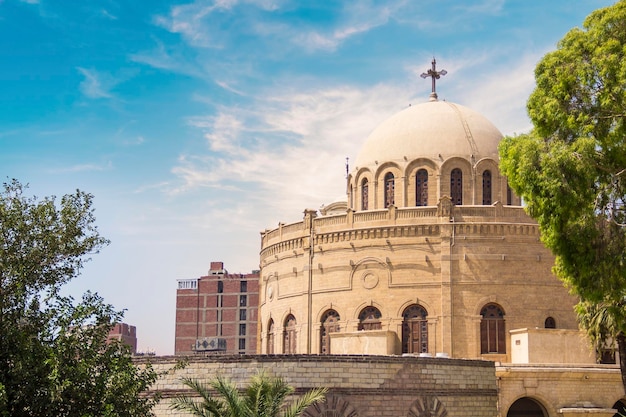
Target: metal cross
434 75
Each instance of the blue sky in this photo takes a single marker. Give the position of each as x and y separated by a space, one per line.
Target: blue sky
198 124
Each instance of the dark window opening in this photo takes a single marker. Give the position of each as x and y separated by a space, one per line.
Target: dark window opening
456 186
421 188
487 188
364 194
389 189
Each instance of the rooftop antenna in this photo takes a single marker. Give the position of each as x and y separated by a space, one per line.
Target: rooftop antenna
347 167
434 75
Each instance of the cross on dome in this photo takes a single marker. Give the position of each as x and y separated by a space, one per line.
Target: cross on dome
434 75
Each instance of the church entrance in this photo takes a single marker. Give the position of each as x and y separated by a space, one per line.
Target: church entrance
526 407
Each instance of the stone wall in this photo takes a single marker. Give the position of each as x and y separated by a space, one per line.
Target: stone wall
359 386
585 388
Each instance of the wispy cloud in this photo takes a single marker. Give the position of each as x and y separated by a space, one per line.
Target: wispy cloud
107 14
491 7
357 18
160 57
293 150
85 168
189 21
95 85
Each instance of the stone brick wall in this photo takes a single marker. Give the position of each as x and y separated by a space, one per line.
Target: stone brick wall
360 386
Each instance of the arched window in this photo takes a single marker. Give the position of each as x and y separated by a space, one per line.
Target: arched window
270 337
414 330
456 186
492 334
550 323
487 188
289 335
421 188
330 323
364 194
369 319
389 189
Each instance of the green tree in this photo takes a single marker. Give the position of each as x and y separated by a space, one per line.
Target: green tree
570 169
264 397
54 355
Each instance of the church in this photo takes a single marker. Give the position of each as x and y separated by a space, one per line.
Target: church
427 292
431 255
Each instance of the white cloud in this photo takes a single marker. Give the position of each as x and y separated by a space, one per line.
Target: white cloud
492 7
95 85
85 168
356 18
108 15
292 153
189 21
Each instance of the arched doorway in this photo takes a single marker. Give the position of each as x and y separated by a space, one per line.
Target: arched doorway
620 406
330 323
526 407
414 329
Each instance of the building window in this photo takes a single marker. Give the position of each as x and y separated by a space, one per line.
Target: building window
242 344
487 188
242 314
242 330
550 323
456 186
492 333
243 286
330 323
414 330
389 189
243 300
187 284
364 194
270 337
369 319
289 335
220 287
421 188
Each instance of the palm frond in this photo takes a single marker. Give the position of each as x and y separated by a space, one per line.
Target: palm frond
309 398
206 407
232 400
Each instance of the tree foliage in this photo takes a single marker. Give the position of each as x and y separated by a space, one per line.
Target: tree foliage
54 355
264 397
571 169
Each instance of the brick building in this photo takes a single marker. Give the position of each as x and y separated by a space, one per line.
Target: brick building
217 313
125 333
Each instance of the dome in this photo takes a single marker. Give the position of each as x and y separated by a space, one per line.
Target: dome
435 130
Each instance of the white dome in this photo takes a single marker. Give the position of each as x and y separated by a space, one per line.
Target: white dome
435 130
